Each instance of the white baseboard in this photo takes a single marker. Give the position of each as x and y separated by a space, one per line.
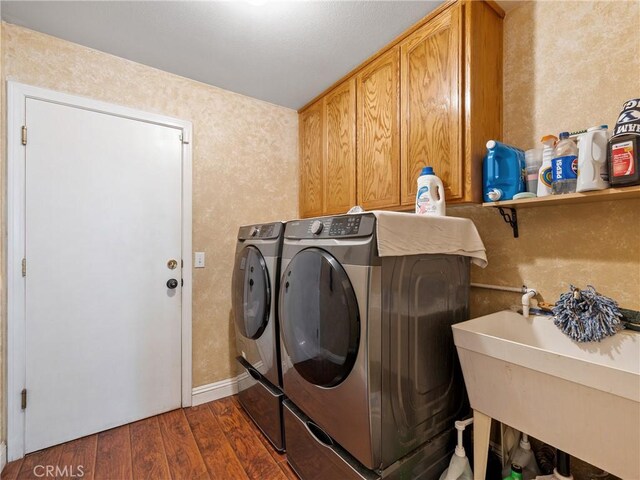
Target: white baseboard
3 455
214 391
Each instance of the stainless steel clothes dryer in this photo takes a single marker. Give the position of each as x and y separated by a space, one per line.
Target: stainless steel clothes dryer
255 290
367 347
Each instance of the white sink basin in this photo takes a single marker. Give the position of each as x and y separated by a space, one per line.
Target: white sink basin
583 398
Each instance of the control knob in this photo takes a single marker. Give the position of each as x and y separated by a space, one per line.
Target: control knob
254 231
316 227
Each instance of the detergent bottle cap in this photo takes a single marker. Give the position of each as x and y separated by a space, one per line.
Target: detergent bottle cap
524 443
427 171
495 194
564 135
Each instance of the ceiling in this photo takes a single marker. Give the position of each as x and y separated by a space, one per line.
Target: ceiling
283 52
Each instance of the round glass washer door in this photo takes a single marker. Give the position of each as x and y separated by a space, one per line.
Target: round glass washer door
319 317
251 293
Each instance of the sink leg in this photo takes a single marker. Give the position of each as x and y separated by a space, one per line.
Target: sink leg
481 431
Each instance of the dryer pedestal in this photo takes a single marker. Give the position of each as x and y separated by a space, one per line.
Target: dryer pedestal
313 455
263 402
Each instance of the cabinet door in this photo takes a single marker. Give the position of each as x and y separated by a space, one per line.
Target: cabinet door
340 144
430 107
311 160
379 133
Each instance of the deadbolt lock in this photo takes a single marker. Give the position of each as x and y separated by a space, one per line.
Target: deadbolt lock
172 264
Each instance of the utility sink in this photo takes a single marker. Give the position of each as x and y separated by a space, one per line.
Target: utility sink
583 398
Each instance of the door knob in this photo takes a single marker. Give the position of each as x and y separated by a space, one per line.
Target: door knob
172 283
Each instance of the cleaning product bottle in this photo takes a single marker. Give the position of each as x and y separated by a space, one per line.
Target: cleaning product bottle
515 473
523 455
544 174
459 467
503 172
624 147
533 162
593 173
430 196
564 166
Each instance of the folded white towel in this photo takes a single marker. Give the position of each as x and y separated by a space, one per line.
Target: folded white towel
410 234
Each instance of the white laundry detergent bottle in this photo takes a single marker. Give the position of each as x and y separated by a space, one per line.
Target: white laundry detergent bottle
459 467
593 173
522 455
544 174
430 196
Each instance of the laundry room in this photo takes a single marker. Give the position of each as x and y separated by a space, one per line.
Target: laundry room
320 240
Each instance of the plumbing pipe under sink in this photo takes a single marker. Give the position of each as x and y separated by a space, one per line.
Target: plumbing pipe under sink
528 294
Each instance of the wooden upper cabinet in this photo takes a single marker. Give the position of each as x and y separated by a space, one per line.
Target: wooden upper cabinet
430 105
311 160
340 148
378 132
431 98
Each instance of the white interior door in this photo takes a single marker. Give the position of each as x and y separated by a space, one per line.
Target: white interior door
102 220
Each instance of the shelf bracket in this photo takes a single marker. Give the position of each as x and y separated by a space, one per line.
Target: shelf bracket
510 218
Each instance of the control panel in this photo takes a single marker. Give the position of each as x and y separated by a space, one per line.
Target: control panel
343 226
265 231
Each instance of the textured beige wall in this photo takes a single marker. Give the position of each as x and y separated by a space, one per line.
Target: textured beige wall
245 162
567 66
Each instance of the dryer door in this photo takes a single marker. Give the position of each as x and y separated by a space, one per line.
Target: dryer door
319 316
251 293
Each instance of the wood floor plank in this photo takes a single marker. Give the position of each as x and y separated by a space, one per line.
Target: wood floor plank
183 455
216 440
149 460
113 455
216 451
11 470
253 455
78 458
277 456
38 464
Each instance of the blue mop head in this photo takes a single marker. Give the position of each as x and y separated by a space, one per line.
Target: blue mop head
587 316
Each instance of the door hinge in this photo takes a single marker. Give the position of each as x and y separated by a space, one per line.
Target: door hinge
24 135
181 263
24 267
183 139
23 401
182 282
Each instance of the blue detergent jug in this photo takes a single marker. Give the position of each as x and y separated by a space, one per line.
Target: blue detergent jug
503 172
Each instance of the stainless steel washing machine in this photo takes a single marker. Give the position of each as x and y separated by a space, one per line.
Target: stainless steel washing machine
367 347
254 291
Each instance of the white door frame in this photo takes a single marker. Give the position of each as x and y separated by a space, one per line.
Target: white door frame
17 94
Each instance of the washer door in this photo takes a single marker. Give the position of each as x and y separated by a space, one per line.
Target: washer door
251 293
319 317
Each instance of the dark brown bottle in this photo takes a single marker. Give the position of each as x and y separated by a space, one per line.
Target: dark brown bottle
624 146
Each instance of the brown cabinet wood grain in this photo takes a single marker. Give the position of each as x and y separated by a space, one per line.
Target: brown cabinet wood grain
311 160
340 149
430 94
433 97
378 162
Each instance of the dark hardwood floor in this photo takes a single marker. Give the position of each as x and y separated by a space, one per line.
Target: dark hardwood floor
214 441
